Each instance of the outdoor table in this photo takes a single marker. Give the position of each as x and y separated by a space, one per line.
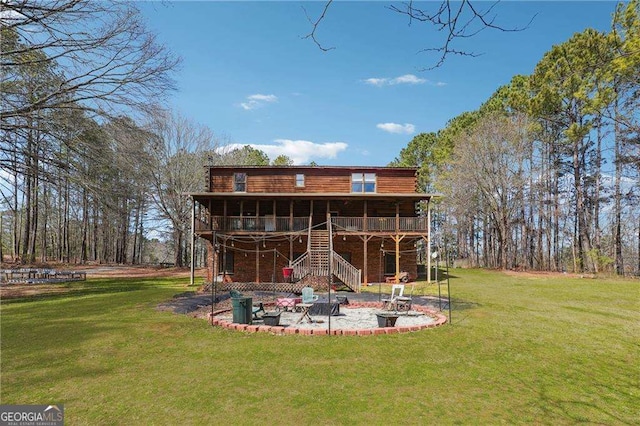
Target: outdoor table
305 312
325 308
287 303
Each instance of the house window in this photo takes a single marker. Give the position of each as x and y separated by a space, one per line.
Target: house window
363 182
227 258
389 263
240 182
299 180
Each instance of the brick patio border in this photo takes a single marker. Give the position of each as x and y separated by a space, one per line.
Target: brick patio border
280 330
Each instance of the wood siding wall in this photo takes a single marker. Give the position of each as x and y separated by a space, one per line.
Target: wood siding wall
317 180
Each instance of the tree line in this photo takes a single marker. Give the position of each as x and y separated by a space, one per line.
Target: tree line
92 167
545 174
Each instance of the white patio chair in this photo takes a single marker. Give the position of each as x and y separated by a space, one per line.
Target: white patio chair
391 301
403 303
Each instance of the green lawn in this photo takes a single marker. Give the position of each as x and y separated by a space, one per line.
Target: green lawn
520 350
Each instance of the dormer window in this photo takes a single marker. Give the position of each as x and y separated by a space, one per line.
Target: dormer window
240 182
299 180
363 182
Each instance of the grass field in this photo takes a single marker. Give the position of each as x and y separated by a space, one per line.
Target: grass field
521 349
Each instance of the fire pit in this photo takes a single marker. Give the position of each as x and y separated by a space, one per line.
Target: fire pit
387 319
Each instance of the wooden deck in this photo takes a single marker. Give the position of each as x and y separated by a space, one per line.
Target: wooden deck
300 224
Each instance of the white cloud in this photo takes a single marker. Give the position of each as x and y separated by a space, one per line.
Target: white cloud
265 98
376 81
403 79
257 100
406 128
300 151
407 79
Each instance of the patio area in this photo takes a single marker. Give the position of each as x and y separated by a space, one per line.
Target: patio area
357 318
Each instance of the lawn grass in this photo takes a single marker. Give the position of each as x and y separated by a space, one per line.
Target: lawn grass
520 350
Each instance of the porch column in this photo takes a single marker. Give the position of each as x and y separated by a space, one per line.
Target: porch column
365 225
365 240
193 239
291 230
397 260
428 241
224 216
209 210
397 240
366 259
213 264
257 261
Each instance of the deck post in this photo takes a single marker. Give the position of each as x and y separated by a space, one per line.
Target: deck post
397 240
193 239
365 241
429 241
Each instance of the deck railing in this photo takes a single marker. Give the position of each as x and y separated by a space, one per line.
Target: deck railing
285 224
301 266
380 223
346 272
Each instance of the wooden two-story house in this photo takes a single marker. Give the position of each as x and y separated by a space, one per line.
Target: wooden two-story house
357 225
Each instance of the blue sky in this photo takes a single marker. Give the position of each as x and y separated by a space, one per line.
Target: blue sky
248 74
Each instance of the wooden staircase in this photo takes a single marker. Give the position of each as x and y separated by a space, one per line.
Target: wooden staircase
315 262
319 253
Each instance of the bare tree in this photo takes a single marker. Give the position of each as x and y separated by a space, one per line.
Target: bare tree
489 164
177 151
454 19
64 62
102 54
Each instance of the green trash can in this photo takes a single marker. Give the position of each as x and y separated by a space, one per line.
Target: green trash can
242 309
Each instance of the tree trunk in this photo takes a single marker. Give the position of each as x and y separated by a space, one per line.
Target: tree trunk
66 250
16 218
177 241
45 221
596 198
27 196
95 232
617 196
1 237
584 243
85 227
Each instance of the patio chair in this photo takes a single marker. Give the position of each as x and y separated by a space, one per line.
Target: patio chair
257 307
391 301
403 303
308 296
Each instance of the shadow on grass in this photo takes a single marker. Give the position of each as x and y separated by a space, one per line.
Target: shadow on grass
583 408
463 305
90 287
443 275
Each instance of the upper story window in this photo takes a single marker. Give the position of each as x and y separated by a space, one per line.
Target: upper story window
363 182
299 180
240 182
